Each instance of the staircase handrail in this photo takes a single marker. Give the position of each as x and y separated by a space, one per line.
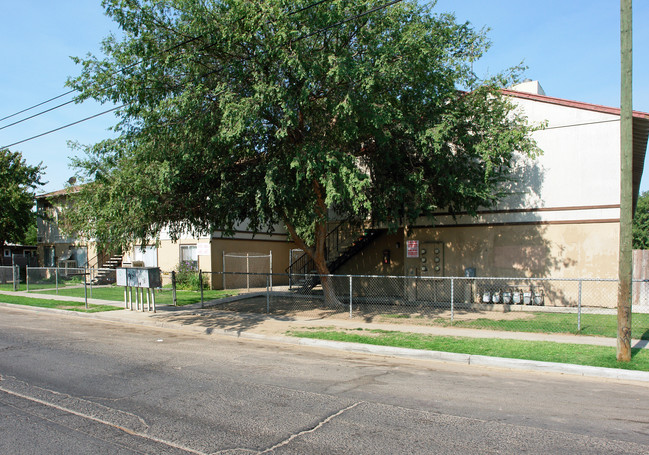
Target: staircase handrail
335 241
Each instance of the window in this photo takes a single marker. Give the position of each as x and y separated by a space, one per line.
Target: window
189 253
149 256
7 252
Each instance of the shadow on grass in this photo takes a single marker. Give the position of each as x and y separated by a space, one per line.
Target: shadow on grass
642 344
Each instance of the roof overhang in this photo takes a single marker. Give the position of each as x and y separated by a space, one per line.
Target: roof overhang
63 192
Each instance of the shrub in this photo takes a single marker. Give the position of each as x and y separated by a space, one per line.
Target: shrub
187 278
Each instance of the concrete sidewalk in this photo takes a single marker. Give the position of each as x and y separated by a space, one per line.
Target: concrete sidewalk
212 321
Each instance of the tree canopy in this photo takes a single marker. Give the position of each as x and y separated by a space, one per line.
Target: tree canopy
18 181
281 111
641 223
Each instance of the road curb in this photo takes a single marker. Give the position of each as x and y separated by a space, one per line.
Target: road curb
440 356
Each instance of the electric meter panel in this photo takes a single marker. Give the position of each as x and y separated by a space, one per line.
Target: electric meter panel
432 258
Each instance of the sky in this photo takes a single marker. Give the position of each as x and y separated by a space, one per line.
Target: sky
570 47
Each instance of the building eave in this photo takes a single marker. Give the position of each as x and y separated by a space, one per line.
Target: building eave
640 128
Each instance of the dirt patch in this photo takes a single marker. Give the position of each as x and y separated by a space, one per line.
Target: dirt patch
309 307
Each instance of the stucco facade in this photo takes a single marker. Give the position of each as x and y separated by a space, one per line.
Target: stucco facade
560 220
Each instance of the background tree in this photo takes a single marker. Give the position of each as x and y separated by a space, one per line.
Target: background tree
282 111
641 223
17 184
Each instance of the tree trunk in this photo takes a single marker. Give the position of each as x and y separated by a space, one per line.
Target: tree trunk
317 254
326 280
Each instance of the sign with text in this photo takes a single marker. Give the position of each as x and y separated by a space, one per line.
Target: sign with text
412 248
203 249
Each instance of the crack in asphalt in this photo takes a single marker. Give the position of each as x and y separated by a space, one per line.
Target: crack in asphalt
315 428
76 430
100 413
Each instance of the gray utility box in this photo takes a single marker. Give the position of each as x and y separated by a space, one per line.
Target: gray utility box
139 277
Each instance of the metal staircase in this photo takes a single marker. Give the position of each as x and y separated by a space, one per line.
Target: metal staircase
106 271
342 243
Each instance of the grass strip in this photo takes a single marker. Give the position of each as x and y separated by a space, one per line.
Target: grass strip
163 296
57 304
604 325
545 351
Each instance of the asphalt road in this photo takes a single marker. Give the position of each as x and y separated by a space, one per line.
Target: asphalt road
75 385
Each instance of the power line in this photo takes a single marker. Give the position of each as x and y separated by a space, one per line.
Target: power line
39 104
74 90
36 115
358 16
386 5
121 70
63 127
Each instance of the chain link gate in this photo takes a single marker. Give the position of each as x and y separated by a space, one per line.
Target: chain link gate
247 270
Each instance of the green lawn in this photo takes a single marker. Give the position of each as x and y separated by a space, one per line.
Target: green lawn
544 351
591 324
58 304
42 285
163 296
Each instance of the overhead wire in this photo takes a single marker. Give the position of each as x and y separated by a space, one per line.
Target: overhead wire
324 29
74 90
187 41
63 127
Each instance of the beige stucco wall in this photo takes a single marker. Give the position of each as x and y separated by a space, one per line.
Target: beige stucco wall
579 250
168 254
370 260
280 256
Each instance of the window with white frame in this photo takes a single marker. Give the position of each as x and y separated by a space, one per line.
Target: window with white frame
189 254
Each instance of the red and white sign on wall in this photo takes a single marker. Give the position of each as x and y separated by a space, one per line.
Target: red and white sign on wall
412 248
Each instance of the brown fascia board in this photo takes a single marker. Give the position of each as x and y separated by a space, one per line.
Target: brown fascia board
571 103
64 191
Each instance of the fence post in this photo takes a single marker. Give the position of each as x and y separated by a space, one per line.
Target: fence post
56 279
579 309
173 287
89 276
85 289
452 295
200 283
16 276
27 277
350 298
248 272
267 298
271 270
224 270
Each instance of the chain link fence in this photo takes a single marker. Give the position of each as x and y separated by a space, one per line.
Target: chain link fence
580 306
40 278
9 278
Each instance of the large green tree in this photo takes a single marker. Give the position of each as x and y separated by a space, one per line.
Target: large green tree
281 111
641 223
18 180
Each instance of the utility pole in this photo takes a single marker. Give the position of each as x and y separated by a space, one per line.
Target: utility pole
625 269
